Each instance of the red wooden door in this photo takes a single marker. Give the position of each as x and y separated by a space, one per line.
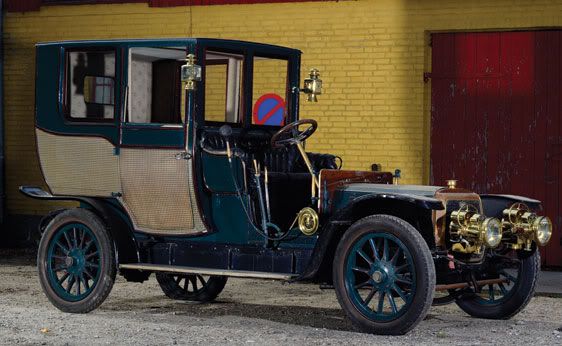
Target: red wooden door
495 117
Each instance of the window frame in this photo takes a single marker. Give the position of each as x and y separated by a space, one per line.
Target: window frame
125 121
259 54
65 86
241 107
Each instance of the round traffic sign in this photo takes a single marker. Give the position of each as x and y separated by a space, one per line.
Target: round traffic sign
269 109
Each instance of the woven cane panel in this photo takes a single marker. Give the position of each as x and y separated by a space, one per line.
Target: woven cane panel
158 191
78 165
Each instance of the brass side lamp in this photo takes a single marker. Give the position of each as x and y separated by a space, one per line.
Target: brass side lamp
313 86
190 72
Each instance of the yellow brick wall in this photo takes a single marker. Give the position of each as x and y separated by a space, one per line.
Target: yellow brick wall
270 77
215 92
371 54
21 32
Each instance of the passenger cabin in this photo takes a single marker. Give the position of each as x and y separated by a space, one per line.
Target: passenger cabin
114 121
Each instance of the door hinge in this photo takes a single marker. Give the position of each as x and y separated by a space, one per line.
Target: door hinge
426 77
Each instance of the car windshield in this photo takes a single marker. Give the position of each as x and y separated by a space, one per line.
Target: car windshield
224 87
223 84
269 95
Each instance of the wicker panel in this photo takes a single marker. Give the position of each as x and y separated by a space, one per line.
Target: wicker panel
78 165
158 191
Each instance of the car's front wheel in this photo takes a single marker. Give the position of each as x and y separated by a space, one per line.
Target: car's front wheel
76 261
193 287
384 275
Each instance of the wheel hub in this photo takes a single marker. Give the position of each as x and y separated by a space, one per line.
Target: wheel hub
75 261
378 276
382 274
69 261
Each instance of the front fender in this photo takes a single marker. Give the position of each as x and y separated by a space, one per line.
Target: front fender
495 204
424 202
414 209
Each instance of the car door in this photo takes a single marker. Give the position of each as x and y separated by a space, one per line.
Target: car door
77 136
155 164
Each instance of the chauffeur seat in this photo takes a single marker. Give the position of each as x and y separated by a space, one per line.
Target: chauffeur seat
277 160
289 178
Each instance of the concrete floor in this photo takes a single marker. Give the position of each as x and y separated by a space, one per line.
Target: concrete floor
246 312
550 283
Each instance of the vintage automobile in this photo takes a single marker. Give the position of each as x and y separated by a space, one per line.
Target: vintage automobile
186 158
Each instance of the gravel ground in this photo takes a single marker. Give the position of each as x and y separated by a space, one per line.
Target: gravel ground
247 312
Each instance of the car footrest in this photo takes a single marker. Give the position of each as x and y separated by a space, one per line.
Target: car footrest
207 271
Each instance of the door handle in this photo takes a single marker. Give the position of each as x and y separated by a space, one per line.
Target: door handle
184 155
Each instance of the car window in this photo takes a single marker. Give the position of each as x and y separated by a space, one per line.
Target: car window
155 90
269 91
223 84
90 85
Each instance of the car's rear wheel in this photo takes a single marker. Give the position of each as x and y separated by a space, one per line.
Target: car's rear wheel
506 299
193 287
76 261
384 275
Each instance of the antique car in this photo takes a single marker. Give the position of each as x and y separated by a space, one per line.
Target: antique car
186 158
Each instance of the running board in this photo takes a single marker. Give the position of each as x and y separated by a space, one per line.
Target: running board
207 271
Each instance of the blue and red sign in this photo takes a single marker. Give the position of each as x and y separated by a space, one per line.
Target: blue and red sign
269 110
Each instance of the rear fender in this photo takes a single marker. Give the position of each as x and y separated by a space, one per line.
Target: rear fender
116 220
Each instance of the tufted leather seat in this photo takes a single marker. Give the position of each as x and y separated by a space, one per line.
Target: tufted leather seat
215 141
289 160
281 160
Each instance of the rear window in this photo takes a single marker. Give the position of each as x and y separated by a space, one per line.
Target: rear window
89 93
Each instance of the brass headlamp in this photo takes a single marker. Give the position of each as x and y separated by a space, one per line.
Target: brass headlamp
313 86
471 231
523 226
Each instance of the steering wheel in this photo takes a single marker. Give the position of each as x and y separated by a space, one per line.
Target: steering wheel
292 132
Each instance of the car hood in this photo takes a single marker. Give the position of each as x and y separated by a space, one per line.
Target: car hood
416 190
418 194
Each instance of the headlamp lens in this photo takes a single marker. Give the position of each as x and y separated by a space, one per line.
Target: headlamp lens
492 232
543 230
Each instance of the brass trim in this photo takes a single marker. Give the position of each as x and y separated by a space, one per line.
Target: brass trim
445 195
308 221
315 184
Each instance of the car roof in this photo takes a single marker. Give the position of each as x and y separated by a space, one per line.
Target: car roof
171 41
